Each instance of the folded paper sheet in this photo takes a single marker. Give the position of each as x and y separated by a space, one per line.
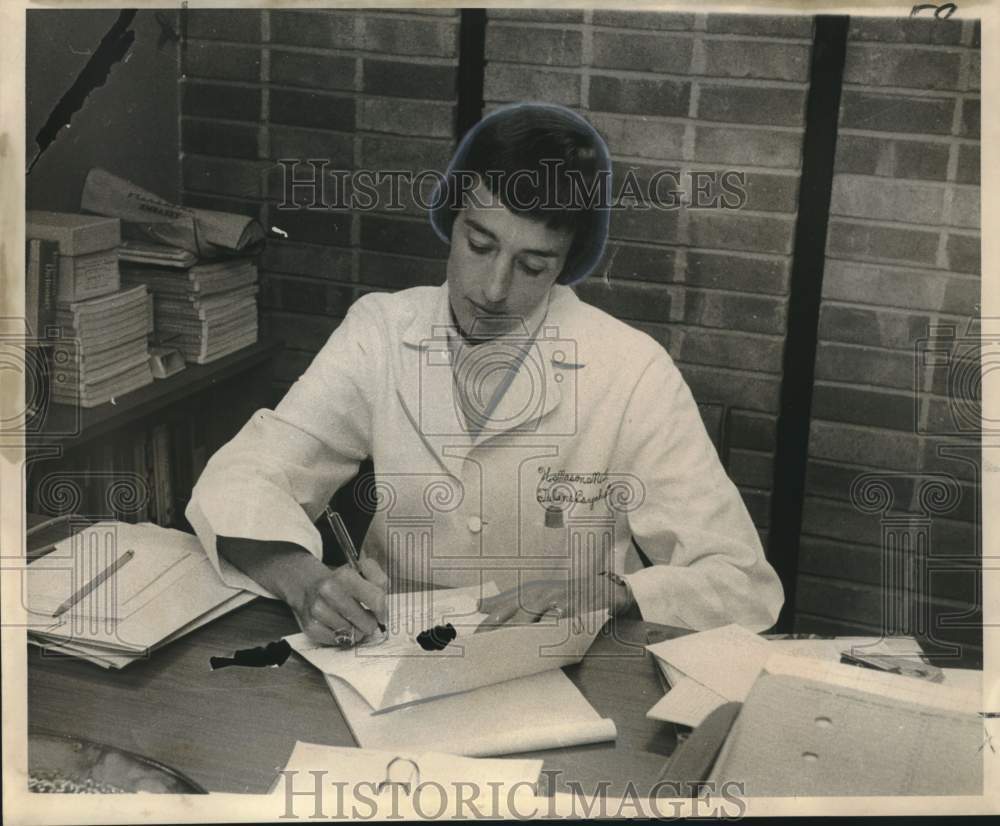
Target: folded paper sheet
400 671
543 711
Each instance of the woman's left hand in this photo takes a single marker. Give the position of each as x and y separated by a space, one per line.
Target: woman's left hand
553 599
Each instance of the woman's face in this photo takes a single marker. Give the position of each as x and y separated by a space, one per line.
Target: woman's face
501 265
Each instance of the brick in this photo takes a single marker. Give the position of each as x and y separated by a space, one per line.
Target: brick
507 83
969 127
751 431
409 80
728 272
642 52
906 30
639 97
751 468
772 106
771 193
866 446
751 391
893 410
312 109
404 36
303 295
300 331
224 177
868 197
296 258
312 71
836 481
720 230
641 302
757 147
716 349
319 29
520 44
407 117
908 289
975 72
873 327
205 137
761 24
291 142
896 113
221 61
292 184
920 160
221 204
656 264
912 68
968 164
735 311
240 25
853 240
866 155
882 368
537 15
940 455
758 505
965 208
214 100
963 252
400 272
395 235
655 225
315 226
757 60
662 21
411 154
640 137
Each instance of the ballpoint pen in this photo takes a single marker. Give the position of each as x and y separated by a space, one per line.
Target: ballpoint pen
94 584
350 550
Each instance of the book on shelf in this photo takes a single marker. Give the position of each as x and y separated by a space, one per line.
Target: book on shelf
41 284
162 474
88 255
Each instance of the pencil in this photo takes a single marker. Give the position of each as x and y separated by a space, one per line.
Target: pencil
350 549
95 583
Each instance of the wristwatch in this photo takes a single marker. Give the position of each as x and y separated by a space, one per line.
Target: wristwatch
620 580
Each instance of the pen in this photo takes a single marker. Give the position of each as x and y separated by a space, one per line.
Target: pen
350 550
95 583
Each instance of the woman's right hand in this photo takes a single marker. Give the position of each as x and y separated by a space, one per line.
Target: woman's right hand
339 606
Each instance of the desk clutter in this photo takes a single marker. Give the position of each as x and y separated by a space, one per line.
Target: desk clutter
114 592
815 721
132 267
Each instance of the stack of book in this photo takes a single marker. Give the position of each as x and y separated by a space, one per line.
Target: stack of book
206 311
103 351
100 350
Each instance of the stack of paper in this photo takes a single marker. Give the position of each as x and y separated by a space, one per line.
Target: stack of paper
206 311
102 351
710 668
161 585
496 692
369 777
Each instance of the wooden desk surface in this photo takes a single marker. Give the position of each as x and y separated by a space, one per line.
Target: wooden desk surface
231 730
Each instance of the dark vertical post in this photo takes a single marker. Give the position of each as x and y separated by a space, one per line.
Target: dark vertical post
808 259
471 69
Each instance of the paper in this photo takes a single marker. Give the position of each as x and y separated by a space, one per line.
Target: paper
688 703
543 711
400 671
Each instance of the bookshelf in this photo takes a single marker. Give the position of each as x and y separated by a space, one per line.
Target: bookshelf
137 459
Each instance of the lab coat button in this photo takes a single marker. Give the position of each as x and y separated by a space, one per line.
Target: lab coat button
475 524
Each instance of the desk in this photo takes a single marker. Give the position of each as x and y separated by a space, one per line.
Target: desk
231 730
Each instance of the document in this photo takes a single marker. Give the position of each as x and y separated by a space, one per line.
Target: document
401 671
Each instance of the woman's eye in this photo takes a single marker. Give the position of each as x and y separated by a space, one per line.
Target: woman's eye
481 249
532 270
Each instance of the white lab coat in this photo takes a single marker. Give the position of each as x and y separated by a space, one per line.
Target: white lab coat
597 421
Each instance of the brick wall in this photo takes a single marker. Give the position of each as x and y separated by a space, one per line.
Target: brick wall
687 93
902 254
372 90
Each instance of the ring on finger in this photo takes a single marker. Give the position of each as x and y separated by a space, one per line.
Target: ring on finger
344 638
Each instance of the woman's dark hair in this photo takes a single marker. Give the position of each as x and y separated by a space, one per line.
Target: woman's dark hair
539 160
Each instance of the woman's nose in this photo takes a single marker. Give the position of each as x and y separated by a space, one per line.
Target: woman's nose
498 285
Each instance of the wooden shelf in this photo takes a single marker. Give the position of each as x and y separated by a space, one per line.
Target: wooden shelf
70 427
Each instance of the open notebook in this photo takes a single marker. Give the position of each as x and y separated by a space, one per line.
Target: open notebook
161 586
